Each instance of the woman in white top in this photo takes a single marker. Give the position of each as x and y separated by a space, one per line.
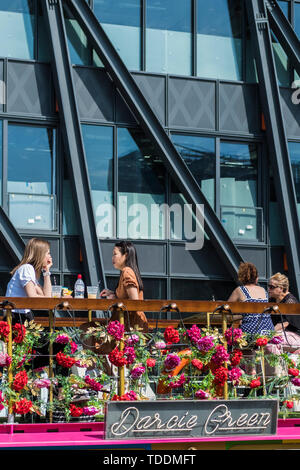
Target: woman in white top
36 260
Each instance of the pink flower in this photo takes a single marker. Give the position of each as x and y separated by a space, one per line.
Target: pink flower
90 410
232 335
178 383
205 343
172 361
129 352
93 383
5 360
62 339
116 330
194 333
201 394
234 374
276 340
160 345
74 347
42 383
296 381
220 355
137 372
132 339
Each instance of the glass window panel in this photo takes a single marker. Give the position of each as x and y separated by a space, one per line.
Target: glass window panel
285 8
17 30
121 20
168 36
199 155
79 49
281 63
238 190
1 162
297 18
141 187
31 172
98 142
44 51
219 39
294 150
70 222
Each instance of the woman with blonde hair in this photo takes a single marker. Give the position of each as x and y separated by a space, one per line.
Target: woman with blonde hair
286 325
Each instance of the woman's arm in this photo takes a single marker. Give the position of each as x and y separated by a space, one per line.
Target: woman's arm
132 293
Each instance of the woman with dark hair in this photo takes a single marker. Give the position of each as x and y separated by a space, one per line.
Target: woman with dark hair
130 285
250 291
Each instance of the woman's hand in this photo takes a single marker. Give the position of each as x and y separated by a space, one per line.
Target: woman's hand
49 263
107 294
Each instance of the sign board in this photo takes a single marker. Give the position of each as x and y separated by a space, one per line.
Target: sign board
190 418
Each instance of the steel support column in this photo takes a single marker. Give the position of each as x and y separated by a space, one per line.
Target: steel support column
276 136
154 130
11 238
284 33
73 143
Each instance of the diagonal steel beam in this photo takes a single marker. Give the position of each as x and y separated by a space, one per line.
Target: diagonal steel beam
73 143
276 135
11 238
284 33
154 130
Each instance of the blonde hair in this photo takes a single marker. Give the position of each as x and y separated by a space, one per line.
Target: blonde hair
282 281
34 254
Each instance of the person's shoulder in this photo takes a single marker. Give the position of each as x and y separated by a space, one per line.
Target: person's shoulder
127 271
26 269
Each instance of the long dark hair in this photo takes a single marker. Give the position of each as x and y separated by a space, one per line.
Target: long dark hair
128 249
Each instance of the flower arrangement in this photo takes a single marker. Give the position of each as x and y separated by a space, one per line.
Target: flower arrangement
194 363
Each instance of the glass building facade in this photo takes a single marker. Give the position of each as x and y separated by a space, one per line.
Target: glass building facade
194 63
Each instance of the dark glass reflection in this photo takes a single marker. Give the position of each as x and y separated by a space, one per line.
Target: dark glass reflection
17 19
294 150
141 186
199 155
79 49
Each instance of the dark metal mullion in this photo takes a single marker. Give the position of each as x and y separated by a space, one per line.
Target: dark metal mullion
276 136
218 177
116 180
143 36
73 142
155 131
5 165
194 37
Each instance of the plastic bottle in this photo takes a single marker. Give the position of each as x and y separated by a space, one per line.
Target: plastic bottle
79 287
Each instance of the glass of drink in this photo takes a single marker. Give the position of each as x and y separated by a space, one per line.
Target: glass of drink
92 292
56 291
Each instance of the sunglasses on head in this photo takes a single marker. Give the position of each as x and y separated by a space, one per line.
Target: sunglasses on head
271 286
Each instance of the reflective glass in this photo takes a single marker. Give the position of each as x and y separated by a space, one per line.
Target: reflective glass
70 223
281 63
199 155
294 151
168 36
219 39
98 143
79 49
0 162
121 20
17 30
238 190
141 187
31 176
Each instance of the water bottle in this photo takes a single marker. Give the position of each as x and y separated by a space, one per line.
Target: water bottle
79 288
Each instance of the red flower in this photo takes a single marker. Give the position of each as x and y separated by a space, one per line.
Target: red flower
117 358
197 363
75 411
4 329
19 332
236 357
221 376
64 360
150 362
289 403
262 341
22 407
293 371
171 335
20 381
255 383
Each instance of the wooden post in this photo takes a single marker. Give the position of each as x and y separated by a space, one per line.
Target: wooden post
51 374
121 383
10 369
224 328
